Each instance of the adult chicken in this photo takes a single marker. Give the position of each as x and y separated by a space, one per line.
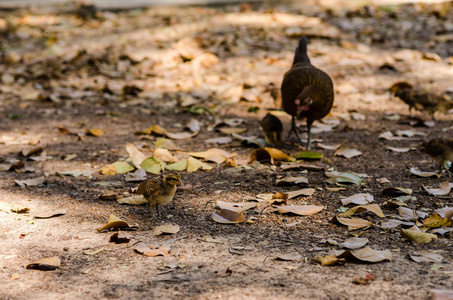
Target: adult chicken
307 92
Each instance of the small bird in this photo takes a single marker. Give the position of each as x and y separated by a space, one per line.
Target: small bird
441 150
421 100
273 128
307 92
159 191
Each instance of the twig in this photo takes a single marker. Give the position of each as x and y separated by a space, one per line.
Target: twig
174 240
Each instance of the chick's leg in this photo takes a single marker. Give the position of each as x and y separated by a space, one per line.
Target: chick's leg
309 136
294 129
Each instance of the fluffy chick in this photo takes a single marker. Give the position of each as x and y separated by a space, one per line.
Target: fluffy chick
421 100
159 191
441 150
273 128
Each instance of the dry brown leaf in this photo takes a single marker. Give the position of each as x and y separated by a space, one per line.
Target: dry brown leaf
303 210
181 135
45 264
114 223
135 154
95 132
417 236
19 209
446 212
261 155
133 200
329 147
237 207
367 255
50 214
410 214
121 237
151 251
193 125
219 140
166 229
302 192
301 165
355 223
361 199
354 243
392 191
400 150
419 173
374 208
347 152
164 155
444 189
329 260
226 216
31 182
279 155
30 152
93 252
426 256
290 180
231 130
289 256
441 294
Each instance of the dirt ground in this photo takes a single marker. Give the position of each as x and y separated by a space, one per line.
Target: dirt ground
124 71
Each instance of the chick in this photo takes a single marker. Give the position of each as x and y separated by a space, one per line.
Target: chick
273 128
159 191
421 100
441 150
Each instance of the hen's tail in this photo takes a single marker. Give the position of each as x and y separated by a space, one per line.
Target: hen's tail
300 56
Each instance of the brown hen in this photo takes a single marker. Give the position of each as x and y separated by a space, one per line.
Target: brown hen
441 150
307 92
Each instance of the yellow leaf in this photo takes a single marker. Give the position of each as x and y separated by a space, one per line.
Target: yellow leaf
194 164
45 264
95 132
135 154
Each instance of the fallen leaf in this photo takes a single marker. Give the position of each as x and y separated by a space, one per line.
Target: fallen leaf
194 165
166 144
137 175
417 172
193 125
303 210
50 214
153 165
354 243
95 132
135 154
301 165
436 221
261 155
114 223
289 256
166 229
441 294
374 208
219 140
409 133
164 155
120 237
310 155
45 264
154 130
343 178
444 189
19 209
395 223
400 150
446 212
290 180
181 135
301 192
367 255
426 256
226 216
347 152
31 182
411 214
236 207
392 191
93 252
361 199
414 234
151 251
329 260
355 223
84 173
30 152
214 154
177 166
118 167
329 147
231 130
5 207
383 180
133 200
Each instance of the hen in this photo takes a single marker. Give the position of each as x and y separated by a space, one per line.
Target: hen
159 191
421 100
272 127
307 92
441 150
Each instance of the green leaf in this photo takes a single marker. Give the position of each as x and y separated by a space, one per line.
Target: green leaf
122 167
309 155
177 166
153 165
